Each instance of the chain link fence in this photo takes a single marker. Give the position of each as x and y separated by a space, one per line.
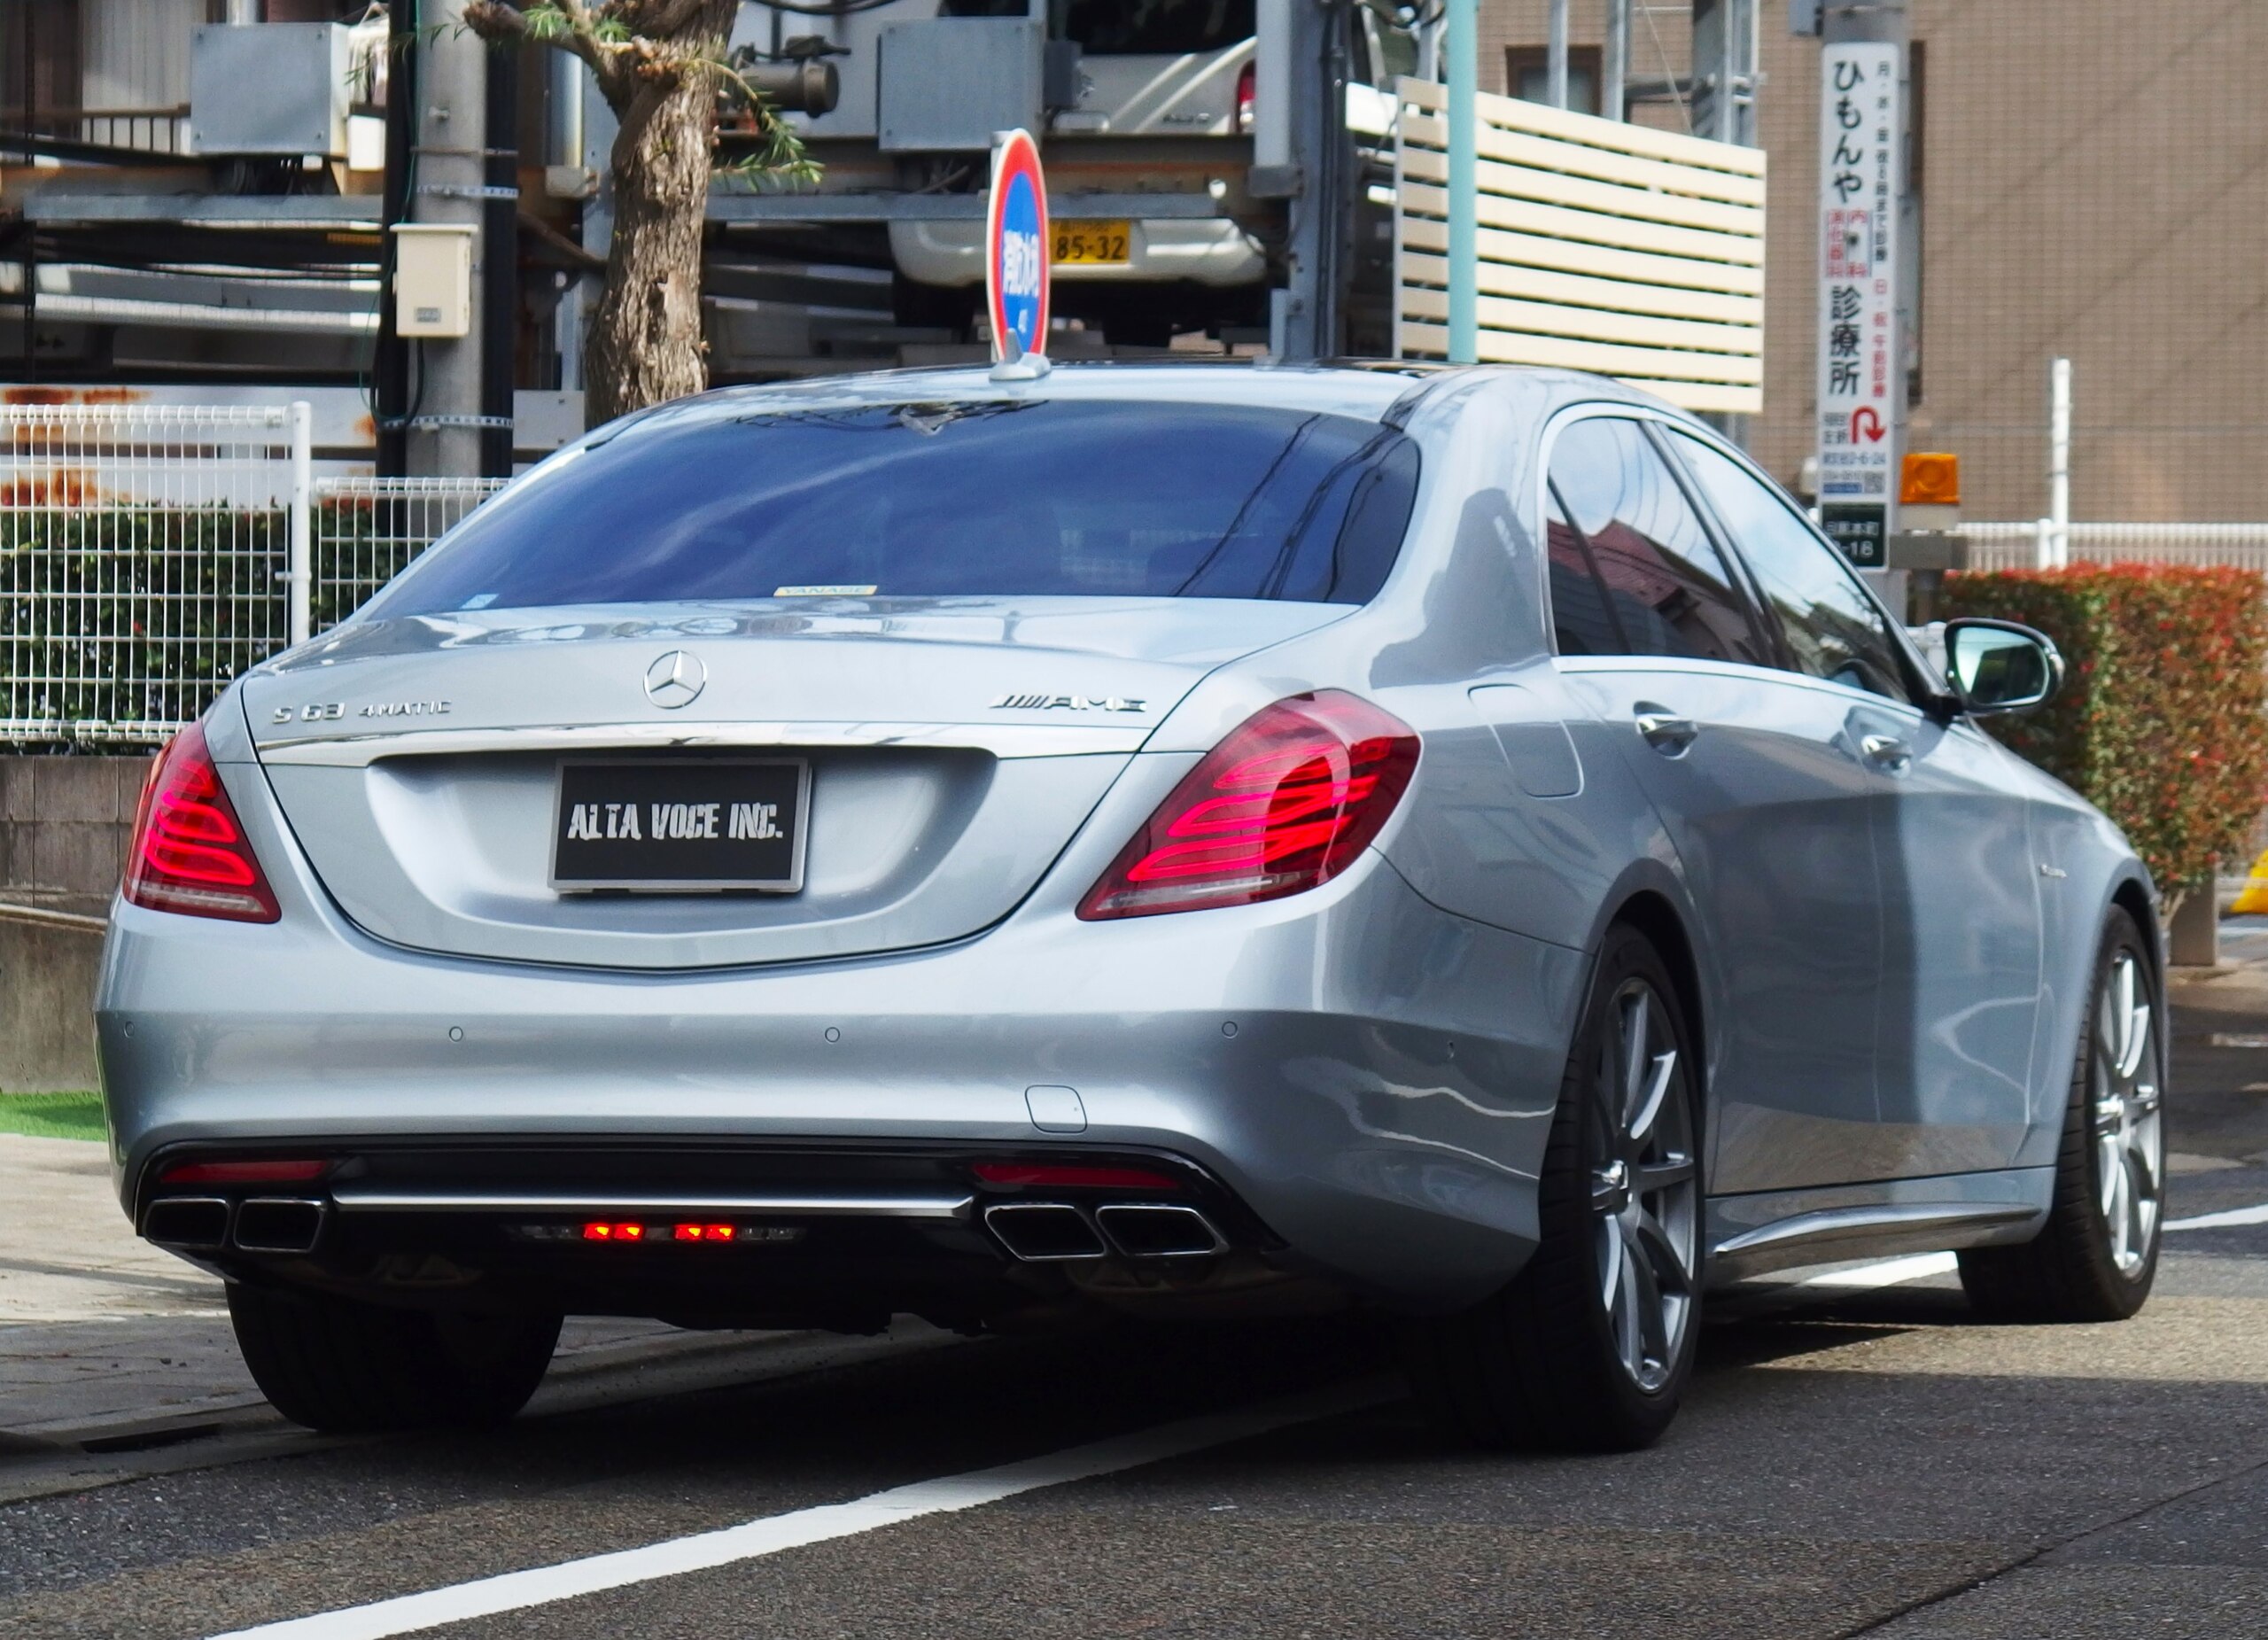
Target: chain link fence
151 554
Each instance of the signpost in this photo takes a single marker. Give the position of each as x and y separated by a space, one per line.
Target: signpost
1862 373
1016 259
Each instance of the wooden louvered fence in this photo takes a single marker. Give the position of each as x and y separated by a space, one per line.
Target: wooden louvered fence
1615 248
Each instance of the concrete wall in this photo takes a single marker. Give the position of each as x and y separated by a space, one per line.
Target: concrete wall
63 831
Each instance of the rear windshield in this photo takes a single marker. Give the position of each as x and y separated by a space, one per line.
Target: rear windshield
1045 498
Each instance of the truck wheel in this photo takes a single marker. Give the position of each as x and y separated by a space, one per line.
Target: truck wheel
340 1366
2097 1255
1589 1347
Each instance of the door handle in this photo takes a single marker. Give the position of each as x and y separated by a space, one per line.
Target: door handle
1663 729
1886 751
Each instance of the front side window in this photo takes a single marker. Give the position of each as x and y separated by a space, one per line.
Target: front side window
1833 629
1667 588
1036 498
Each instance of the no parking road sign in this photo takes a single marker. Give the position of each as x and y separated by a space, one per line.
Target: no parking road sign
1015 249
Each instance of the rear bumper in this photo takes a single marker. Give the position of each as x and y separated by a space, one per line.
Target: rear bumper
1367 1077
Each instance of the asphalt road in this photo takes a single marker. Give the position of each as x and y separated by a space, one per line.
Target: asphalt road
1853 1459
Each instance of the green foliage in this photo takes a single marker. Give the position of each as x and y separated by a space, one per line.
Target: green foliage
134 614
52 1116
120 616
2159 722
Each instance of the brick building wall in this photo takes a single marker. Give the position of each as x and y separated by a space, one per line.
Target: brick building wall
2095 185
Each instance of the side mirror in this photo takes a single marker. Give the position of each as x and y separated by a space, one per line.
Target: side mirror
1998 666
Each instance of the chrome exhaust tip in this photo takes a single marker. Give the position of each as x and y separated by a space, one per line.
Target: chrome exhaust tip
280 1224
196 1223
1044 1232
1159 1230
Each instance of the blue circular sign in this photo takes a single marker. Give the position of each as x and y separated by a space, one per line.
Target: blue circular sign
1016 249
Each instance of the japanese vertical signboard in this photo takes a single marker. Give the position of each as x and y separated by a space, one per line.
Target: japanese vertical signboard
1860 384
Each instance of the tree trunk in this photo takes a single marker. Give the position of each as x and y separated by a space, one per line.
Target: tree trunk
645 341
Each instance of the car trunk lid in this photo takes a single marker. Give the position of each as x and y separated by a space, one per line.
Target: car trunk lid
954 747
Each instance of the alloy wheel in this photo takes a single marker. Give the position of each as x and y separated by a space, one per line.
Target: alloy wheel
2129 1133
1645 1186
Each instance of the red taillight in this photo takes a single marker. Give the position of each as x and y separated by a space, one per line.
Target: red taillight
612 1231
1246 78
1286 803
261 1172
1072 1178
189 852
702 1232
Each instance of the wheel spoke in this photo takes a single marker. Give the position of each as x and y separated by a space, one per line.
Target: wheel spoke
1650 1108
1649 1176
1637 1021
2118 1210
1653 1318
1662 1258
2138 1042
1630 1322
1611 1261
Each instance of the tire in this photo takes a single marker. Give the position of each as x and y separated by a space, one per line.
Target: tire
343 1367
2097 1255
1589 1347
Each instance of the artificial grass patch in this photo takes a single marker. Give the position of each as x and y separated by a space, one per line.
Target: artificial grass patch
52 1116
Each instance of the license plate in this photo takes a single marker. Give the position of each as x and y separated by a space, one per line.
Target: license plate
1094 245
685 825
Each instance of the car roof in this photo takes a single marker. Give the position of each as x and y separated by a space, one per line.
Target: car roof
1369 389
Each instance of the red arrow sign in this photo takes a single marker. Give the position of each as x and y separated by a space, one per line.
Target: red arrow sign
1866 424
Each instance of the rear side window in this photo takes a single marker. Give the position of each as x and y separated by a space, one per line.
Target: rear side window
1666 589
1039 497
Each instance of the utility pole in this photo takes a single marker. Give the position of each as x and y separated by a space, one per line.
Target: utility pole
1726 42
1301 156
1861 382
1614 61
1465 238
500 258
1554 56
389 369
451 170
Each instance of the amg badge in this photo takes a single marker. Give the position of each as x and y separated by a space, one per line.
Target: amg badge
1067 703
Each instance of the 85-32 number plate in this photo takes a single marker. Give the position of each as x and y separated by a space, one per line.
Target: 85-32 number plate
1093 245
683 826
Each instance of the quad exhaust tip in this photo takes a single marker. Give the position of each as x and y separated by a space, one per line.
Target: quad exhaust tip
1044 1232
1164 1230
1047 1232
259 1224
196 1224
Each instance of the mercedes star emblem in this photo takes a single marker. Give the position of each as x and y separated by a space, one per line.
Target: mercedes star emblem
675 680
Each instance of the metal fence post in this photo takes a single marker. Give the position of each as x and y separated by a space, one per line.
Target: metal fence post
301 571
2059 461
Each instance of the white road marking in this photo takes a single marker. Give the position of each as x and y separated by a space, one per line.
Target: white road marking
1888 1272
514 1592
2221 1221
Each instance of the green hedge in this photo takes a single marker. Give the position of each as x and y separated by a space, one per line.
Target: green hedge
2159 723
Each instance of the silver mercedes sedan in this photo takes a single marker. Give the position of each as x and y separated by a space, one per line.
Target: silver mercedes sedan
1455 846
